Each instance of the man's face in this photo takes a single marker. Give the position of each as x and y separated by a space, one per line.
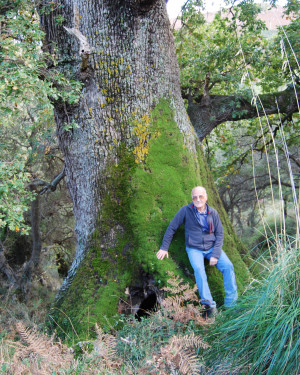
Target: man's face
199 198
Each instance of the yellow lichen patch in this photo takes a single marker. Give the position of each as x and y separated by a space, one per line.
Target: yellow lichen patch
141 130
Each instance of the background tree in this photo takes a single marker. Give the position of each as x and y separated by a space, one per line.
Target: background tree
28 147
236 55
217 60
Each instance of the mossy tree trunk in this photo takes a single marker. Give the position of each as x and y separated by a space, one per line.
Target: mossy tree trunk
133 156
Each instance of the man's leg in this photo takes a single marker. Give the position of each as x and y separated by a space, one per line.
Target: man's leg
226 267
197 262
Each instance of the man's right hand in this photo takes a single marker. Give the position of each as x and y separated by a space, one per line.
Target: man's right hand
161 254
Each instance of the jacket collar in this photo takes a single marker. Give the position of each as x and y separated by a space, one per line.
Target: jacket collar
191 205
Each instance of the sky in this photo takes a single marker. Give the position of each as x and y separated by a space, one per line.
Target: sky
174 6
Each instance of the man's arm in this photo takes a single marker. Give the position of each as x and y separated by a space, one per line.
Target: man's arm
219 234
171 230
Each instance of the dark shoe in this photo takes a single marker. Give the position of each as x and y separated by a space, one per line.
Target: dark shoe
209 312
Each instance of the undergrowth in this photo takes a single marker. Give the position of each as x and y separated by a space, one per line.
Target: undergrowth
170 341
260 335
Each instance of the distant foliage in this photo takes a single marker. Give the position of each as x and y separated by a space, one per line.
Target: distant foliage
27 130
212 51
14 195
236 55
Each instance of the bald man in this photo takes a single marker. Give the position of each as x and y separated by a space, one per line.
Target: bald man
204 237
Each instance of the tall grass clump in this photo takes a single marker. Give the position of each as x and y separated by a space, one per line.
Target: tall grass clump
261 335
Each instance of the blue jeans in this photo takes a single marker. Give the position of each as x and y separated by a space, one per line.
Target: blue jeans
224 265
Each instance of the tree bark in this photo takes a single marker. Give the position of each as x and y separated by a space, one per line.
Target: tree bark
31 266
133 157
208 114
122 57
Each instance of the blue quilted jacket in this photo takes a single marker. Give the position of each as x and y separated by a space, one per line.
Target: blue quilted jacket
195 237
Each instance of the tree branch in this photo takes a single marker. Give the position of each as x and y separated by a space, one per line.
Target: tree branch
23 282
7 270
46 186
230 108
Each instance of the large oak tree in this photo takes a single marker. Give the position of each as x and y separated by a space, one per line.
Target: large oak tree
131 152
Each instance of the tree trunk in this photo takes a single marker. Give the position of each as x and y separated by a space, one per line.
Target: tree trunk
132 158
31 266
7 270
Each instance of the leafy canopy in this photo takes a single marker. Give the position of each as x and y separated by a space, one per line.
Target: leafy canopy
219 48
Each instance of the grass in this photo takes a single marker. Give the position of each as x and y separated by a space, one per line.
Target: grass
262 333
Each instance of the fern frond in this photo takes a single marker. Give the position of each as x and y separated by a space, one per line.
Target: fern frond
174 302
175 284
190 341
105 346
189 363
190 294
179 307
179 355
35 346
174 308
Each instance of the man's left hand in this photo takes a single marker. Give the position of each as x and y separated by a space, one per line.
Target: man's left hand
213 261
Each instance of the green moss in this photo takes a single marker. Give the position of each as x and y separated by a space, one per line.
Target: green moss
138 203
162 185
106 271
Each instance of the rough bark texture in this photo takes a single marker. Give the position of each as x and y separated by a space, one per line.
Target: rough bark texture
115 56
208 114
133 159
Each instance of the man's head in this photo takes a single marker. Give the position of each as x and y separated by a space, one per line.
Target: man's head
199 197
